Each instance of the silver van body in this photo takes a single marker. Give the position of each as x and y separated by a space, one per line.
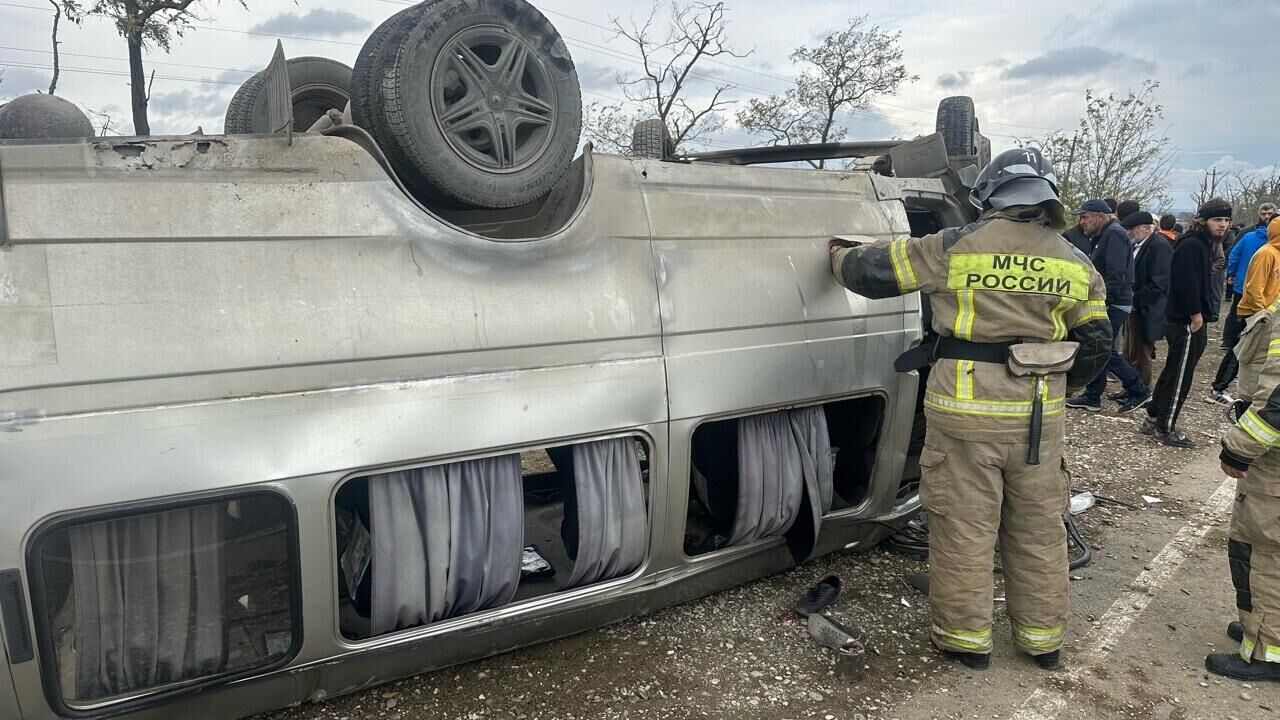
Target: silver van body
200 316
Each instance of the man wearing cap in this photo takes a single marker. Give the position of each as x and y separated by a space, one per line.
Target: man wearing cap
1152 254
1113 258
1189 308
1237 267
1006 292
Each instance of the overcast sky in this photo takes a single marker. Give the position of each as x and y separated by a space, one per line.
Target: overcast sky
1026 63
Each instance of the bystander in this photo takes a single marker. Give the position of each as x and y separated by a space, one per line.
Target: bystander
1189 307
1237 266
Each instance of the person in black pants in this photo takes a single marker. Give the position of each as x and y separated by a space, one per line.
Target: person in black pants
1113 258
1237 268
1189 308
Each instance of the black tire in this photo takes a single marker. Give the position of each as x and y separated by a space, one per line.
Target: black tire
379 52
513 134
958 124
650 139
317 84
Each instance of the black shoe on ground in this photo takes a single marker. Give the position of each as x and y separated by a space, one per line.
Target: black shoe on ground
1118 396
1148 427
1235 630
1175 439
819 597
973 661
1233 666
1221 397
1049 661
1133 403
1081 402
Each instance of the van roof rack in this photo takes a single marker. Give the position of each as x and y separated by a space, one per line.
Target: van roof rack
795 153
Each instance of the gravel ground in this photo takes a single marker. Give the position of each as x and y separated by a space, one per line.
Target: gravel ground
742 654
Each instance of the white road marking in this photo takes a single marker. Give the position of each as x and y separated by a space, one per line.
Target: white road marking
1047 701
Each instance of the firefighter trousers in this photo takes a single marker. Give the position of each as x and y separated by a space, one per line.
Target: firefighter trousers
1253 552
977 493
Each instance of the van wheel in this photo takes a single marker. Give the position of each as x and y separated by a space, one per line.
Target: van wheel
958 124
317 85
475 101
650 139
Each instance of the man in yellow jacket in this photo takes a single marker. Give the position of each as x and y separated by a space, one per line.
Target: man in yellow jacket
1262 281
1002 290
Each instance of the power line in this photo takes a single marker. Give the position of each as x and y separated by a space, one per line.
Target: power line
117 73
582 44
62 53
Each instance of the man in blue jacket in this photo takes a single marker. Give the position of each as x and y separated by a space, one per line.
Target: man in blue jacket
1237 265
1113 258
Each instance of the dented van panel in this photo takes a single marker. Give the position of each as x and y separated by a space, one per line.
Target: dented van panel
187 319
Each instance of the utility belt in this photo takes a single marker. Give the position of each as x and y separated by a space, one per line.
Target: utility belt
1021 359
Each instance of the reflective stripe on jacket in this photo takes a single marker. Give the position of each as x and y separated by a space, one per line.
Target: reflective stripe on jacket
1258 430
1007 277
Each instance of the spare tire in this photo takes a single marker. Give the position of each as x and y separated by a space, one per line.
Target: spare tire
958 124
316 85
651 139
473 101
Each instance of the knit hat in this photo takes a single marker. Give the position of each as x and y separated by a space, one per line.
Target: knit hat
1215 208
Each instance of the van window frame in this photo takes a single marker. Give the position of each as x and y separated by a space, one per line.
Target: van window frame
423 632
767 542
144 699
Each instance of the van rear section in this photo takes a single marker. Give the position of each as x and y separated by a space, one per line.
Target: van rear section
271 431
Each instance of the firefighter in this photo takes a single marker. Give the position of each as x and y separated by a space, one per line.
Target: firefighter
1253 549
1020 315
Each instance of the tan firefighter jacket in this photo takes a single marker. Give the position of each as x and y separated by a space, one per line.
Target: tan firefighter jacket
1258 430
1006 278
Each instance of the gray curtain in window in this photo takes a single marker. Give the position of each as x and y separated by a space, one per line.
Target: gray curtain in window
610 511
149 600
447 540
784 464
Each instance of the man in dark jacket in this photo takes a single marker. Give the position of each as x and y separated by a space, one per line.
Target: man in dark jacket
1079 239
1113 258
1152 255
1237 267
1189 308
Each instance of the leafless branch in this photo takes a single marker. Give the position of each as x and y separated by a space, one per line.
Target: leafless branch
57 17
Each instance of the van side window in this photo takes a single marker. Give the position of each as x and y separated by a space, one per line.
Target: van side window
427 544
158 600
758 477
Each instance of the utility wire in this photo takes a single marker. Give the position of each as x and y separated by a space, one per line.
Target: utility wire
582 44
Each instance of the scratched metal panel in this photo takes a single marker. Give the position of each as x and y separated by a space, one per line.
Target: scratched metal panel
751 314
299 267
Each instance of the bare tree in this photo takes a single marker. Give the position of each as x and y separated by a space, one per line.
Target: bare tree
845 73
669 49
57 17
1118 150
609 126
101 120
143 24
1212 185
1245 192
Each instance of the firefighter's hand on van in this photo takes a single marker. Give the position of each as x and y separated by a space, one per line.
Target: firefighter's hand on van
1197 322
835 244
1234 472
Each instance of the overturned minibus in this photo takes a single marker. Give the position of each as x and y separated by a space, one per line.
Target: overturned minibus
274 428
